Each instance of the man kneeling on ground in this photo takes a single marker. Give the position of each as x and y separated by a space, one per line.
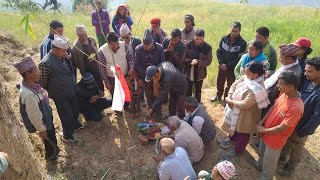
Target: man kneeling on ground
187 138
199 119
91 98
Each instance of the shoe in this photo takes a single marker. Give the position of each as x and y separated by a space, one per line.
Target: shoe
225 143
231 154
215 98
226 140
253 162
282 160
285 170
224 158
68 140
222 102
118 114
53 155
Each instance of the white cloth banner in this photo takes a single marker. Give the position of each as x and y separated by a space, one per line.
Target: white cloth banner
118 98
192 73
272 80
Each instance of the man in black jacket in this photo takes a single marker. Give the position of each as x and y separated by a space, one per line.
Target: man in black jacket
230 50
168 79
175 49
91 99
57 77
198 58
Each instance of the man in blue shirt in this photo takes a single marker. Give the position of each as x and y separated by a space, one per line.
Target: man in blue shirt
173 162
310 94
56 27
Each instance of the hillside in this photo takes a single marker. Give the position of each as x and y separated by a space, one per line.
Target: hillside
285 23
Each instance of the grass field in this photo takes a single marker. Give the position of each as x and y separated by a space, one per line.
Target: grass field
286 23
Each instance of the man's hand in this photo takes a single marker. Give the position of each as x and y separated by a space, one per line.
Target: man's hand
194 62
132 72
109 86
158 158
43 134
260 129
101 94
170 47
229 102
149 113
223 67
93 99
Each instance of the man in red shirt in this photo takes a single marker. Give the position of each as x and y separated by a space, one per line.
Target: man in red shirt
279 123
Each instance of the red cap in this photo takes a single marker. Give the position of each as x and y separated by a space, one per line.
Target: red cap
303 42
156 21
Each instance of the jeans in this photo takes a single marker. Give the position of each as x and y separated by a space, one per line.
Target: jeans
268 158
222 77
68 110
93 110
48 147
198 87
294 149
176 103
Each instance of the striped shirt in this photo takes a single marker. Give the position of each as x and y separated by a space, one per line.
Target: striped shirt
102 67
46 45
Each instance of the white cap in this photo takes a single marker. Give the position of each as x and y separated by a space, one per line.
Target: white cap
60 42
124 29
81 29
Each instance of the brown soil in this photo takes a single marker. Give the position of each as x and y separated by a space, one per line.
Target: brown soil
14 139
111 147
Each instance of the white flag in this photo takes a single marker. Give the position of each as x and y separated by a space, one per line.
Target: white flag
118 98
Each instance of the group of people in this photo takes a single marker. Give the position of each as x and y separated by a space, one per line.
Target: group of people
282 105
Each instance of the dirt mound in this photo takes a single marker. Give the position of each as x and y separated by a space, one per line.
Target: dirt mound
14 139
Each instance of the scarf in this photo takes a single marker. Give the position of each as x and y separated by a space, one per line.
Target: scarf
129 48
261 97
156 86
246 59
272 80
38 89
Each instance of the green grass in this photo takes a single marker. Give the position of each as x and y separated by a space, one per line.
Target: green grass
285 23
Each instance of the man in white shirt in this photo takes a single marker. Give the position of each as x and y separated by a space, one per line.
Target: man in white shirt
199 119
